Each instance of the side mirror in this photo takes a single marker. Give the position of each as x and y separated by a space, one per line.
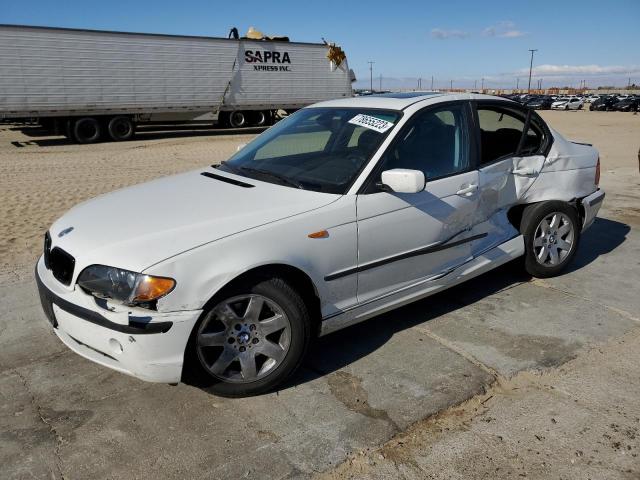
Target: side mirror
240 147
402 180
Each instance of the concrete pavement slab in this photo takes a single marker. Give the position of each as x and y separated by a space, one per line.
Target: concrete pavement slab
351 395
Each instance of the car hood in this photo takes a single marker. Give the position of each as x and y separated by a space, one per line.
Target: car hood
139 226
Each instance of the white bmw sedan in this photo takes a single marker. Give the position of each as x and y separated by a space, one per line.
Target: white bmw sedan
344 210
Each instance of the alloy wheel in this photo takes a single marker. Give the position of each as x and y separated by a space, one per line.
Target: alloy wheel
553 239
244 338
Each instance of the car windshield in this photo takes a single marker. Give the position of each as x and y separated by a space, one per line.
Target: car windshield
321 149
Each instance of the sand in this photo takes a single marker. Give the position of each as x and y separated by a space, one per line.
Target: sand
42 179
43 176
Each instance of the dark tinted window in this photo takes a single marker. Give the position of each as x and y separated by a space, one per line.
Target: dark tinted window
435 141
501 131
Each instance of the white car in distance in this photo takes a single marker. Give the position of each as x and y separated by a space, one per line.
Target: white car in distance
570 103
342 211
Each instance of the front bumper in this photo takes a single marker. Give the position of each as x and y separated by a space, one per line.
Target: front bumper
145 344
591 205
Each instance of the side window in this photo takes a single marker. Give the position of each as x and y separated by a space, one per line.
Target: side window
534 138
435 141
500 132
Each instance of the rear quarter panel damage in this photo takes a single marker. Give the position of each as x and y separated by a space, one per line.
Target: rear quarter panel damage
568 173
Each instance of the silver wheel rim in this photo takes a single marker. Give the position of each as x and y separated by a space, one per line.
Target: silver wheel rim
237 119
244 338
553 239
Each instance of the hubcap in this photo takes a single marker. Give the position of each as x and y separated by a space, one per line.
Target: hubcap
244 338
553 239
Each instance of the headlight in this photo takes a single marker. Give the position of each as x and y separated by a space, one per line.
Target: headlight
125 286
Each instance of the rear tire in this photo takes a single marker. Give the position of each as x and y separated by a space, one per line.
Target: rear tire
86 130
238 119
262 118
121 129
551 233
227 333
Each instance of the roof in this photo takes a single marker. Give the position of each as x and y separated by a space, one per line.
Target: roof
147 34
400 101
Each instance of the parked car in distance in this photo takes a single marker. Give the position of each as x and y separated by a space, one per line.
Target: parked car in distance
540 103
341 211
571 103
630 104
605 103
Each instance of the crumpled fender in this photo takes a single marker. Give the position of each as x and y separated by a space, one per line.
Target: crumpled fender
567 173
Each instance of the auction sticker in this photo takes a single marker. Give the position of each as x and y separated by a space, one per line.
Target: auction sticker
371 123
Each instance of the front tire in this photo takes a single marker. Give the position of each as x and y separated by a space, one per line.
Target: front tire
551 233
251 340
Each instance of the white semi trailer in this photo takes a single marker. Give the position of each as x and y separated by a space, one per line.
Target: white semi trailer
91 85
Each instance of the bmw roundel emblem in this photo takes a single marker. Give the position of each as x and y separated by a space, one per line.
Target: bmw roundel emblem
65 231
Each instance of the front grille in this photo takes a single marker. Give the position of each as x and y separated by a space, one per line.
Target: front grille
58 261
47 249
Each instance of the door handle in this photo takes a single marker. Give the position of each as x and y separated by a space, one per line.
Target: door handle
525 172
467 190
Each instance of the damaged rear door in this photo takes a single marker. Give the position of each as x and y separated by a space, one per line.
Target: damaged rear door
512 143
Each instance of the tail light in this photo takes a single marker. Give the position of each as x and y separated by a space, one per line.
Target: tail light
598 172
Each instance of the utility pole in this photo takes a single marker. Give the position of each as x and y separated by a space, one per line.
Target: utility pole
482 84
532 50
517 83
431 82
371 74
475 84
451 87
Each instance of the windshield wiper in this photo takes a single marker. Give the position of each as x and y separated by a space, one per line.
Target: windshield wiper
226 164
275 176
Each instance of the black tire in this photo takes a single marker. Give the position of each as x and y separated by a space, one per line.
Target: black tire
86 130
261 118
532 217
287 298
121 129
238 119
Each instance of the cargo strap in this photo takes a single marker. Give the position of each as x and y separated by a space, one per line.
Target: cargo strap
226 89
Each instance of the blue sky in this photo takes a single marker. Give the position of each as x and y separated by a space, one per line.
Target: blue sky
455 40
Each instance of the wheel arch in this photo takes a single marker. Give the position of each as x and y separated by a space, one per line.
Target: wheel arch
516 212
296 277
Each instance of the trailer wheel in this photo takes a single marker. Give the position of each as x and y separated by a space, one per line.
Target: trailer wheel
262 118
86 130
120 129
238 119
